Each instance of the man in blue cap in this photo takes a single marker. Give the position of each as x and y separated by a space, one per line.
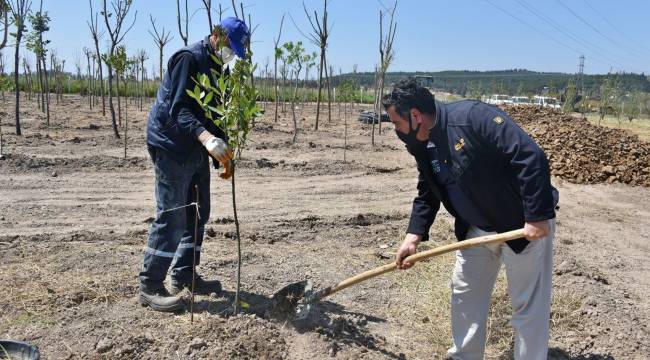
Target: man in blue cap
180 138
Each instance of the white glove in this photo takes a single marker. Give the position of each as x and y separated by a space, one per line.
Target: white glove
218 149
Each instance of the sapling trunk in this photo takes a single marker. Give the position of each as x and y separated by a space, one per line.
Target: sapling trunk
345 136
126 128
1 155
234 210
196 234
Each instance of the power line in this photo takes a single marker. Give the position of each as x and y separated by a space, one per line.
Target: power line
593 48
596 29
534 28
616 28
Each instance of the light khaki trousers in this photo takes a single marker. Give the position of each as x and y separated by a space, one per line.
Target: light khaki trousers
529 286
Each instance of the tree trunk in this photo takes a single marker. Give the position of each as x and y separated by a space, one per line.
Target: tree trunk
16 67
119 105
126 127
142 86
381 93
110 101
28 78
345 135
234 209
275 85
320 85
329 92
41 103
89 92
293 110
101 80
47 89
161 63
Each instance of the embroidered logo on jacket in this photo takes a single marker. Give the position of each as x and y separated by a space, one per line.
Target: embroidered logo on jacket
435 165
459 145
498 120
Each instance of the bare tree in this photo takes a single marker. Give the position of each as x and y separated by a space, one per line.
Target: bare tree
187 20
207 4
386 56
27 70
3 79
19 10
295 59
116 32
141 58
277 51
265 76
319 36
34 41
94 31
4 20
88 54
161 38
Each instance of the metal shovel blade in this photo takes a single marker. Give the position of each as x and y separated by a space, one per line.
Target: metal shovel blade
287 301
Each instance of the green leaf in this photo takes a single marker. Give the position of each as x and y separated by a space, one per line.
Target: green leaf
208 98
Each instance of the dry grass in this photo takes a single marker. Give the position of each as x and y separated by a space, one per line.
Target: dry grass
640 127
428 308
38 290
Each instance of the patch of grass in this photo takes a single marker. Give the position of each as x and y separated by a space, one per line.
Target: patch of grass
26 318
427 306
640 127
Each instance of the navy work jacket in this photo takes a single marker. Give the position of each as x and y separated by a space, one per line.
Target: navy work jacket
499 167
176 120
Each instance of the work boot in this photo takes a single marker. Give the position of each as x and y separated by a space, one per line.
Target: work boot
159 299
201 286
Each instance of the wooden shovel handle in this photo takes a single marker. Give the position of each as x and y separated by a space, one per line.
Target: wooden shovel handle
483 240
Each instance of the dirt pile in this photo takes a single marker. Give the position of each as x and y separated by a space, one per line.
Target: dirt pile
584 153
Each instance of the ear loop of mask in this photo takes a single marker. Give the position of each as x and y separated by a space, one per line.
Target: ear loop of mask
413 133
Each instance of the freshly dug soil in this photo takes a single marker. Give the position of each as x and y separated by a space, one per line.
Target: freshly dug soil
583 153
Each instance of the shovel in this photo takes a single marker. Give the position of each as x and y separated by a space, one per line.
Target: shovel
301 296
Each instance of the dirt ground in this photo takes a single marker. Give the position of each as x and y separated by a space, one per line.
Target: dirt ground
74 217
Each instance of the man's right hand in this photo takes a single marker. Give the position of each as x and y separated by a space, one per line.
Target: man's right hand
218 149
409 247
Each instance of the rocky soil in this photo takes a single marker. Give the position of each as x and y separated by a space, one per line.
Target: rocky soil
74 217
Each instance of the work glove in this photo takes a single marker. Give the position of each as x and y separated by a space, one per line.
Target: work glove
218 149
227 170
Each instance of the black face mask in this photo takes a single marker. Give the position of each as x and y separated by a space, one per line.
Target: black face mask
414 145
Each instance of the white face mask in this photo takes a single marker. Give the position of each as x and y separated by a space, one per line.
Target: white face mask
225 54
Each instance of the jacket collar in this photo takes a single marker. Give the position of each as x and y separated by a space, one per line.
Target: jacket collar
438 133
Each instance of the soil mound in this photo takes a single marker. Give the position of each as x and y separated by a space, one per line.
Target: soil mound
583 153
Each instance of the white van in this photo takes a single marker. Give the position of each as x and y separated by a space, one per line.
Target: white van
521 100
497 99
547 102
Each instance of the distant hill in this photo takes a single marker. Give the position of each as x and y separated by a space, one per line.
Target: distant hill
512 82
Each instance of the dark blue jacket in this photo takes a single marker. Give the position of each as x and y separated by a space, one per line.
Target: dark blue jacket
176 120
498 166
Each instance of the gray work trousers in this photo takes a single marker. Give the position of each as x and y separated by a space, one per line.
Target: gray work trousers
529 286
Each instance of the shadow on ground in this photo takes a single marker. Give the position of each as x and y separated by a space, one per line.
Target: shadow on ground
559 354
326 318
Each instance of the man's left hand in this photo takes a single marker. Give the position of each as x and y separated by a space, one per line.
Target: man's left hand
536 230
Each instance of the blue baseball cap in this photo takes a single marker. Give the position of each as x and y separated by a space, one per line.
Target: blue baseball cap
237 33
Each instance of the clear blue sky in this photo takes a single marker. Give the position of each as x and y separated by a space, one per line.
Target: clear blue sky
431 35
